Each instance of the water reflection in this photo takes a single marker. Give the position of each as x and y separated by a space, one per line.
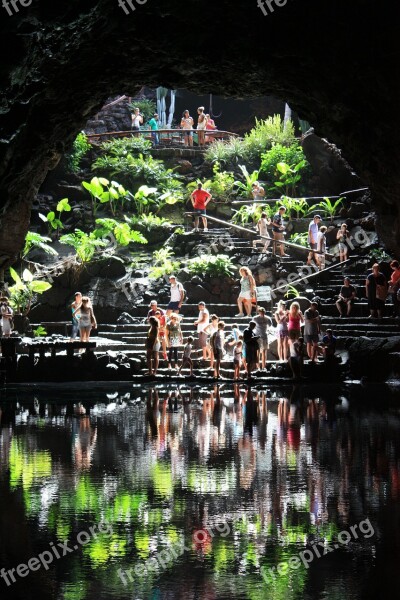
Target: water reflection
241 479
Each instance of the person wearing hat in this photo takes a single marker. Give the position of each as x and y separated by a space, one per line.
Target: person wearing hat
312 328
177 296
153 309
313 230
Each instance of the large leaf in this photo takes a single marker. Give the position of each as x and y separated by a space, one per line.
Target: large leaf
27 276
39 286
15 276
51 216
63 205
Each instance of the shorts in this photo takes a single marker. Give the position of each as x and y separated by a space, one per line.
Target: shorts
156 347
312 338
282 333
313 246
342 248
202 339
174 305
263 344
200 211
245 295
188 132
218 354
75 329
236 362
294 334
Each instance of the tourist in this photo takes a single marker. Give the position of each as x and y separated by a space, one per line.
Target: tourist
313 229
250 340
342 235
394 286
6 313
278 229
295 321
201 125
152 346
262 324
177 296
155 136
376 292
346 298
218 348
202 324
153 309
187 125
75 306
187 356
281 318
329 346
321 247
262 228
237 359
210 126
257 191
174 338
87 319
159 314
312 328
248 292
200 198
233 338
210 330
296 358
137 119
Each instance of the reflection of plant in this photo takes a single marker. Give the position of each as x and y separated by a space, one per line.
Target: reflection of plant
80 147
39 332
85 244
163 263
22 292
299 238
250 213
328 207
122 232
54 222
35 240
246 187
214 265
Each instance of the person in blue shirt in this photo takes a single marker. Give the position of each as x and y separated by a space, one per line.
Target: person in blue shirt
154 129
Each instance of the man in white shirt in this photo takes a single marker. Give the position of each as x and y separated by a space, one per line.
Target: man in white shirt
202 323
177 296
313 230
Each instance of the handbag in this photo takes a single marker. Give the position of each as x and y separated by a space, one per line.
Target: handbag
254 297
381 292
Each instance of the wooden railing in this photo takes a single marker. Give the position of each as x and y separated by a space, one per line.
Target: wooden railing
166 136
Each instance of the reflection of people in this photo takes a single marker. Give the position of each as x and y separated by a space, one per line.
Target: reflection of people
84 442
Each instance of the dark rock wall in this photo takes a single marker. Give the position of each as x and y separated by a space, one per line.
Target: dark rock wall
334 62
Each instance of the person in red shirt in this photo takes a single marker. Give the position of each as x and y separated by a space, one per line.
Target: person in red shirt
200 198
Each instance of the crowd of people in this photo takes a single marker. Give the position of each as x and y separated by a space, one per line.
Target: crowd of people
205 123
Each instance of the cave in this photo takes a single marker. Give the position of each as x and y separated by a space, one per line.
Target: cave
332 63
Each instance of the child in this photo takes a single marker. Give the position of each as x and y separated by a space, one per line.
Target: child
237 359
187 351
174 339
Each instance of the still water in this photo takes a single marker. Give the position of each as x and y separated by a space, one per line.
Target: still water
199 493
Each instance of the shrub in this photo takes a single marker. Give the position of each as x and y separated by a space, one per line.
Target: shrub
266 133
163 263
150 221
124 146
250 213
24 289
246 187
146 107
122 232
226 152
80 148
213 265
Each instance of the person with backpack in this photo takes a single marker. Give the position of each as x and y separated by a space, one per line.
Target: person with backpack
177 296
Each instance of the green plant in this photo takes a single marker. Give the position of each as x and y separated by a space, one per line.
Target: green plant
213 265
80 148
295 207
122 232
291 292
146 107
380 255
328 207
163 263
289 176
224 152
267 132
35 240
222 182
291 155
299 238
246 187
150 221
85 244
39 332
121 147
250 213
24 289
54 222
103 191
